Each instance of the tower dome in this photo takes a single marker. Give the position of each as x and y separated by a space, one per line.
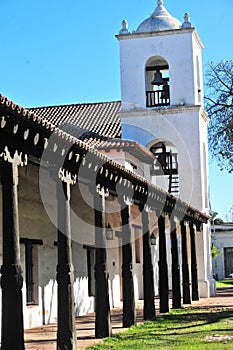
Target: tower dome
159 20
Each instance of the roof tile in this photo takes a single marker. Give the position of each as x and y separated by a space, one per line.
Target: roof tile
101 118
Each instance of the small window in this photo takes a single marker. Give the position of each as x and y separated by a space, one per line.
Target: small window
31 270
137 251
137 244
90 271
30 273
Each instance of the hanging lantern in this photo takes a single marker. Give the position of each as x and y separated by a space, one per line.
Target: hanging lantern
109 233
153 239
158 80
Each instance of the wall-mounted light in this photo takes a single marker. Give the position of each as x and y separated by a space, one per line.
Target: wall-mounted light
153 239
109 233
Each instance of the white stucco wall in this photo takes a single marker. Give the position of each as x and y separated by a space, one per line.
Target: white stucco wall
186 129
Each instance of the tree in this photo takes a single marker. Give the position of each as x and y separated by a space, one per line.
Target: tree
215 221
219 106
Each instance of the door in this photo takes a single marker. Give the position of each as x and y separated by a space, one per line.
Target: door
228 260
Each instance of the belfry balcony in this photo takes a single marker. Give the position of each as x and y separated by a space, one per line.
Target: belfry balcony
166 163
157 98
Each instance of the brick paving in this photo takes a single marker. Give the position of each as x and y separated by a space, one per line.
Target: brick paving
44 337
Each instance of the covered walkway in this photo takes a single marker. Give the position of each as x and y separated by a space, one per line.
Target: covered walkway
44 338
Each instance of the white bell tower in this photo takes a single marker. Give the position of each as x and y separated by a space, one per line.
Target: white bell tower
162 106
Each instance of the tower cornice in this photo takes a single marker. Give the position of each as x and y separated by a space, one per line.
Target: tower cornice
164 111
135 35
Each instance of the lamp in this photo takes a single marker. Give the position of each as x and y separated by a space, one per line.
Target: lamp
109 233
158 80
152 239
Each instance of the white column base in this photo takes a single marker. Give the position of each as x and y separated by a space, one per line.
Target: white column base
207 288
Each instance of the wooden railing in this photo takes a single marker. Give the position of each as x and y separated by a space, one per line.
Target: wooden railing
157 98
165 164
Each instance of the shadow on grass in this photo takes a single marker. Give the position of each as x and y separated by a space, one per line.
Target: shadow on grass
179 328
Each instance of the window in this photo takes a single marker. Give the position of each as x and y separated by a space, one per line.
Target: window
90 271
31 269
137 251
157 82
137 244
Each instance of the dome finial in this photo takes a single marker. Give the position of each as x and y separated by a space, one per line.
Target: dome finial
187 23
124 29
159 20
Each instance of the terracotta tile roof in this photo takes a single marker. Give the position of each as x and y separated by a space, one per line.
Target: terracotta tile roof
101 118
132 147
97 124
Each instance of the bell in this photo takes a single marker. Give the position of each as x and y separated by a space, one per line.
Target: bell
158 80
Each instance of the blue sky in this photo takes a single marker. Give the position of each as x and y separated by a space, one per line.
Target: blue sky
58 52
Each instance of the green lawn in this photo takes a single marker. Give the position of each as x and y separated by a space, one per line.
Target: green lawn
183 329
224 283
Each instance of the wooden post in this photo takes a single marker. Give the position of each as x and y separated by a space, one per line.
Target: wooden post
66 333
185 265
195 294
148 274
129 314
11 279
176 294
163 270
102 307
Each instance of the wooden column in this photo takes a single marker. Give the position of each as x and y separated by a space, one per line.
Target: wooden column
195 294
102 307
163 270
11 279
185 265
66 333
129 314
176 294
148 274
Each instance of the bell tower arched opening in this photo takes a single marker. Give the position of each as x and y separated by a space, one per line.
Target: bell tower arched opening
165 166
157 82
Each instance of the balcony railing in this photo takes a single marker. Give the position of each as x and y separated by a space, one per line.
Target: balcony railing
165 164
157 98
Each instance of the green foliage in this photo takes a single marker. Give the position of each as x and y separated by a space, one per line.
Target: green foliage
218 221
219 106
215 251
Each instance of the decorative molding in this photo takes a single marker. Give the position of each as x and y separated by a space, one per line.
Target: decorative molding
17 158
102 191
205 116
150 112
65 176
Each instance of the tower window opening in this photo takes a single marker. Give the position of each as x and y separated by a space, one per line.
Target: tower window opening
166 165
157 85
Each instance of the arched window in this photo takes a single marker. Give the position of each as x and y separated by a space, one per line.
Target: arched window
157 82
165 166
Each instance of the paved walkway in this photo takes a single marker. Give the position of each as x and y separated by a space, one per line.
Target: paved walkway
44 338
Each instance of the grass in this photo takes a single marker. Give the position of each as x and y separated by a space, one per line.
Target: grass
182 329
224 283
